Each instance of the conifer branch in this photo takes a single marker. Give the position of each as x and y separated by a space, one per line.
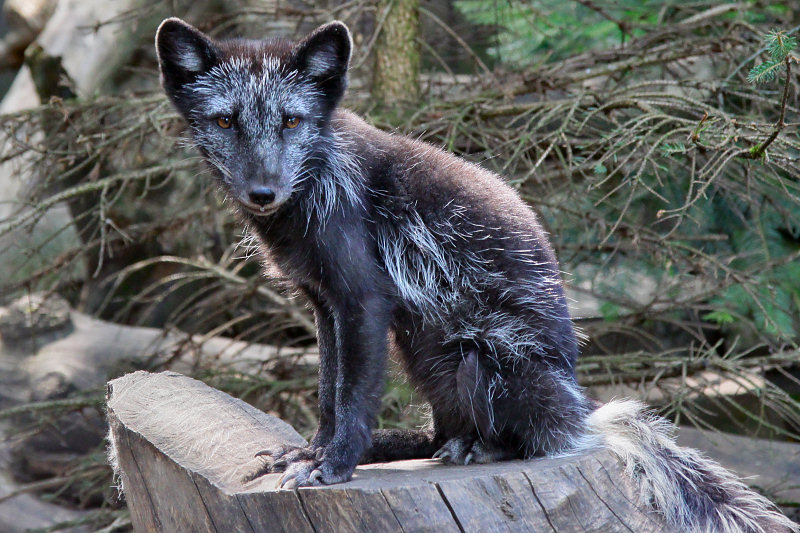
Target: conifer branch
780 47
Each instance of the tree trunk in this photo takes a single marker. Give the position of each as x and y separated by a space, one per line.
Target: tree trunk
184 451
396 79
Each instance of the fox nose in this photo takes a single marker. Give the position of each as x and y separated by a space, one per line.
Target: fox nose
262 196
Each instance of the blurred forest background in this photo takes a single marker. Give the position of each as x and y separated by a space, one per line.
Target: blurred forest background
657 138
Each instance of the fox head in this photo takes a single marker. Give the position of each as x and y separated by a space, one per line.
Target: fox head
258 111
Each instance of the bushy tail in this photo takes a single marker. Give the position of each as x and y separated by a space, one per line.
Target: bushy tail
694 493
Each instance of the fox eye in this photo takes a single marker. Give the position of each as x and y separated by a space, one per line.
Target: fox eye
224 122
291 122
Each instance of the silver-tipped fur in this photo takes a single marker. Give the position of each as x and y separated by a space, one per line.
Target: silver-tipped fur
694 493
400 246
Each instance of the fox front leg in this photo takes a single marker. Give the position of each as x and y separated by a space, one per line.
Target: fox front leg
361 326
283 457
328 361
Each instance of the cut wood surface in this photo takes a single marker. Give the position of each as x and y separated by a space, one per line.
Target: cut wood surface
184 449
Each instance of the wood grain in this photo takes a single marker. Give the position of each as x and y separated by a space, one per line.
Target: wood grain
184 450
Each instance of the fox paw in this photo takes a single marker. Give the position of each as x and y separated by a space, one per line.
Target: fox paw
302 467
300 474
463 451
279 459
310 474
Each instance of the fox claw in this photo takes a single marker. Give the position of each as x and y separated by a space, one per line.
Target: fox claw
464 451
279 460
441 453
316 477
301 474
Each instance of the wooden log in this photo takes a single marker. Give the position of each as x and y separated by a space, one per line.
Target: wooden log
183 450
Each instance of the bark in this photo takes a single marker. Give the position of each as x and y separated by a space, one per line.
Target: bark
184 452
397 58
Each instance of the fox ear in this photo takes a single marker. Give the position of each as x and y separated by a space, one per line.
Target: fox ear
184 52
324 57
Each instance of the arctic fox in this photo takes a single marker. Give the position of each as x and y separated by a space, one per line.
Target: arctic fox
401 247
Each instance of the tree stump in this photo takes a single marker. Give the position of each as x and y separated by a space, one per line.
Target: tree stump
183 450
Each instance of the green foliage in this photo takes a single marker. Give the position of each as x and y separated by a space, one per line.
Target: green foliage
780 45
719 317
520 34
525 32
765 72
673 148
610 311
